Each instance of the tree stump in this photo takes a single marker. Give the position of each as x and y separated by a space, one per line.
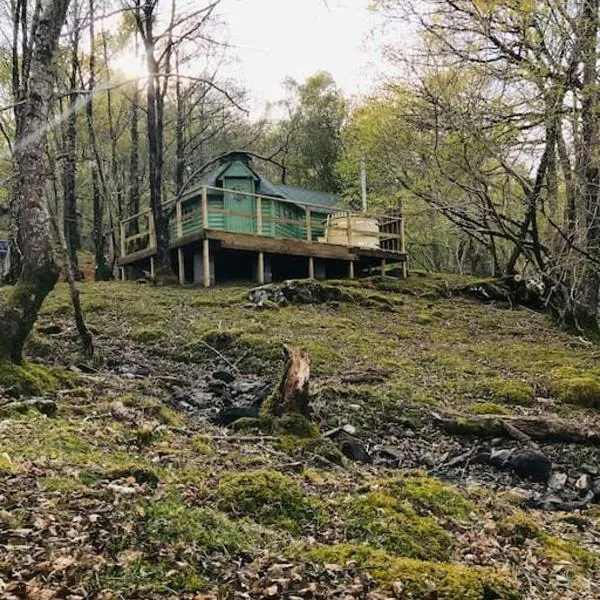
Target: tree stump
291 396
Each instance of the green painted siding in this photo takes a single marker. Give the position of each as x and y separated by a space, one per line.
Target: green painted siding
216 220
245 205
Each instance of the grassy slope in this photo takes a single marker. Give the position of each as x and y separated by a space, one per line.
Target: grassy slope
153 500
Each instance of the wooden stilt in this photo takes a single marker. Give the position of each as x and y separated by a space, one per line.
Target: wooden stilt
351 269
311 267
403 249
383 266
122 273
205 263
152 266
181 265
261 268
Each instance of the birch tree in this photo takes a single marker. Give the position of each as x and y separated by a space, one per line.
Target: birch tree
39 271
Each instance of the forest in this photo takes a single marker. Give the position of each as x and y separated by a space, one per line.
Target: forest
424 432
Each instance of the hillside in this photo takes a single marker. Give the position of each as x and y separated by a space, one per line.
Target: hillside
130 488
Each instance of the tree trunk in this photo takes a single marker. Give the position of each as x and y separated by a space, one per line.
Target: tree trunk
590 143
179 134
549 429
154 122
39 268
102 271
71 228
134 165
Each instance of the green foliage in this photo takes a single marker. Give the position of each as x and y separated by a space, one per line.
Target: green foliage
268 497
316 113
392 525
416 578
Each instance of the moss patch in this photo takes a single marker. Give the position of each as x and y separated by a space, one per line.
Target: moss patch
268 497
387 523
145 576
428 495
148 335
28 378
521 527
488 408
574 387
169 520
510 391
421 579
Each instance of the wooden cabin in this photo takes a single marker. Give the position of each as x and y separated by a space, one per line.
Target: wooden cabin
236 224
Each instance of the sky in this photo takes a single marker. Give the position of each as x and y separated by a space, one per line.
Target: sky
274 39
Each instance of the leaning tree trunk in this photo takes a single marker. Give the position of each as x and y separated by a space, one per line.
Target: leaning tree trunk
39 270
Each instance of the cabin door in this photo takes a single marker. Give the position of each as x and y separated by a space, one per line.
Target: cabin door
239 204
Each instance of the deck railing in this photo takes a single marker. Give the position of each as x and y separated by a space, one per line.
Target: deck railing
341 227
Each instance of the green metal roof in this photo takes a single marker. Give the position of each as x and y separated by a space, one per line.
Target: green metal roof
304 196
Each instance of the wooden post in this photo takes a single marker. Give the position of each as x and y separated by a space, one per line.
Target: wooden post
311 267
205 262
204 208
181 265
308 225
179 219
349 230
123 248
259 219
403 249
383 266
151 231
122 273
351 269
152 266
261 268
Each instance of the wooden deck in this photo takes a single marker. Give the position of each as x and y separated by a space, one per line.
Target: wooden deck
386 244
241 241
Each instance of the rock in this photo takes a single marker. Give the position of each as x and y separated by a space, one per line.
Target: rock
43 405
49 329
531 465
201 399
227 416
584 483
349 429
388 452
521 494
245 387
500 458
217 386
557 481
223 375
356 451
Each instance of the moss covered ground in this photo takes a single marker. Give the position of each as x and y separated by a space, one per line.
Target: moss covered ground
152 502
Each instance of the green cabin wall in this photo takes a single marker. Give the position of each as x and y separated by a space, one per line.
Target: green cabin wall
238 177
